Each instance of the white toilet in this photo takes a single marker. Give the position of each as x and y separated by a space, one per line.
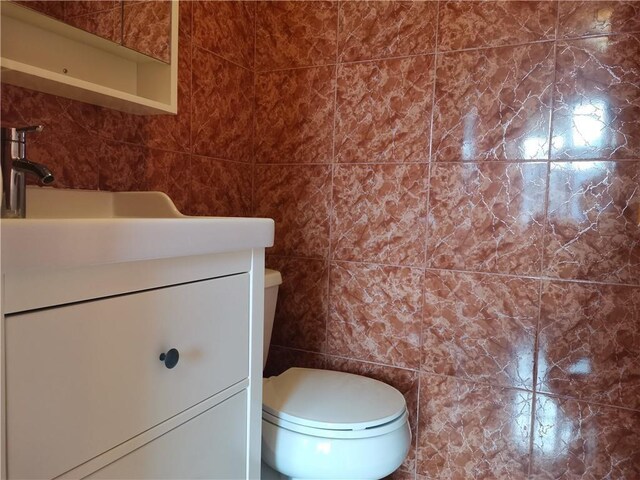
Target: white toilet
320 424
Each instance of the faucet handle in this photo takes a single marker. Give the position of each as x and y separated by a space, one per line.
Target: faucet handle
22 131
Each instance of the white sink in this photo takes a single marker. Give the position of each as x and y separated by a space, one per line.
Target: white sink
75 228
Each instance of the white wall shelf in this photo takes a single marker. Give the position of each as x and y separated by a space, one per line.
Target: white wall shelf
40 53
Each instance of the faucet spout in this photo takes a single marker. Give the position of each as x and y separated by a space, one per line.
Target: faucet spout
44 175
15 167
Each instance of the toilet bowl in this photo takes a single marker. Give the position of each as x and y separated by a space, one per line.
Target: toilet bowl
321 424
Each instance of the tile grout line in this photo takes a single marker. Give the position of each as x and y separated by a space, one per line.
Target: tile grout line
536 344
464 272
425 254
412 55
458 379
191 96
333 168
254 113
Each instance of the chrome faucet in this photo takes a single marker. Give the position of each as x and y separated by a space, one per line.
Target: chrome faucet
15 166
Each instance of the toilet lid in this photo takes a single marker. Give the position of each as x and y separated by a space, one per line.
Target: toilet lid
331 400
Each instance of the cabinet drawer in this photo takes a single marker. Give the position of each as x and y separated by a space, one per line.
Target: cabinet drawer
84 378
212 445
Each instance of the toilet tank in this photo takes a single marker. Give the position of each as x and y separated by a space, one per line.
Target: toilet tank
272 280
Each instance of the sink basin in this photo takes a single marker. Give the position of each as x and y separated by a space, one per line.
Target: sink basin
45 203
75 228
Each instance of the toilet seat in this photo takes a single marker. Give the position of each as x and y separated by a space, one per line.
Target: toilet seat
332 404
337 434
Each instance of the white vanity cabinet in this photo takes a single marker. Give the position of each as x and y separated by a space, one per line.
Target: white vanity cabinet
92 386
131 340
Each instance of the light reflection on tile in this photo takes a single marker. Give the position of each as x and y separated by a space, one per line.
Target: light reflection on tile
480 327
573 439
467 430
597 98
589 342
493 104
593 225
487 216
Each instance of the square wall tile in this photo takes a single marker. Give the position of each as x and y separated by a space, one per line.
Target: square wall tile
219 187
588 17
169 172
487 217
480 327
589 343
146 27
492 24
301 313
297 197
467 430
580 440
221 108
597 99
493 104
384 111
379 213
294 115
593 226
226 29
121 166
382 29
295 34
375 313
405 381
173 132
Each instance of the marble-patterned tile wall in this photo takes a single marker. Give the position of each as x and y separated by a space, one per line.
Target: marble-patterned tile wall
201 157
456 188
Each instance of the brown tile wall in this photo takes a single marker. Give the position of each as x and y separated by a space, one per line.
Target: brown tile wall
456 188
202 157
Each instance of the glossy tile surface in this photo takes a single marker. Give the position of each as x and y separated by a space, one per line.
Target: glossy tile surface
173 132
379 213
169 172
590 343
480 327
73 162
467 430
593 227
121 166
222 105
382 29
226 29
294 116
106 24
487 217
597 98
301 313
491 24
297 198
206 174
579 18
384 111
580 440
375 313
493 104
295 34
146 28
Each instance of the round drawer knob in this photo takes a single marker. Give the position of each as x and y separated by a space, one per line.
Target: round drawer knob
170 358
